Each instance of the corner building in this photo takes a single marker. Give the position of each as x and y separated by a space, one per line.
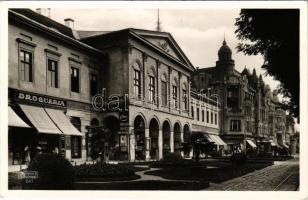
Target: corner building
50 86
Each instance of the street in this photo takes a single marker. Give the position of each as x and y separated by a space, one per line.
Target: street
282 176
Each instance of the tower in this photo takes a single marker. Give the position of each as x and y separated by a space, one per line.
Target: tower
225 63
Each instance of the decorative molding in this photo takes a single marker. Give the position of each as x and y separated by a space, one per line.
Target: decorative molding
26 42
53 52
74 60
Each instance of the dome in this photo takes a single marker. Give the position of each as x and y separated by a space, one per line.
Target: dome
224 53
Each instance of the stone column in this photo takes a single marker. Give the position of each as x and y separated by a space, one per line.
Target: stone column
182 140
147 144
160 144
131 144
171 141
84 124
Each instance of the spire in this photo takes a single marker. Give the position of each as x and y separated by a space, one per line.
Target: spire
158 23
224 42
254 72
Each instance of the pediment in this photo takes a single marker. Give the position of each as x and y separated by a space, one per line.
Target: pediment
166 43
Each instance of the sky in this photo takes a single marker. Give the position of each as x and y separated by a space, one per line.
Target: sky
199 32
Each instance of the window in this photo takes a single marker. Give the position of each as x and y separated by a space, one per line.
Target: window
212 118
215 118
76 146
207 116
137 83
164 93
74 79
198 114
25 58
192 112
202 115
235 125
93 84
174 95
52 73
185 99
151 89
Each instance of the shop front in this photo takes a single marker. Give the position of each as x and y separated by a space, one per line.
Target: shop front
38 124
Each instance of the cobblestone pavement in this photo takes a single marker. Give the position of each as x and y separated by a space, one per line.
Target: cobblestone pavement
282 176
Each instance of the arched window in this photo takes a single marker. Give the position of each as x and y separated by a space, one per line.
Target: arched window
152 86
175 93
192 112
137 80
202 115
185 97
164 90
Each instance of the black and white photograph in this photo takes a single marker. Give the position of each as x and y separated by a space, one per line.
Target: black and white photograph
154 96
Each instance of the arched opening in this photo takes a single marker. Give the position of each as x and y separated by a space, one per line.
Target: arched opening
111 137
139 130
154 132
177 138
186 142
166 138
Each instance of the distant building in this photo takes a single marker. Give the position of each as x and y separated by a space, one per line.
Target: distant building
250 115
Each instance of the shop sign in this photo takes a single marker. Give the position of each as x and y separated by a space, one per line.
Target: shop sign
33 98
232 137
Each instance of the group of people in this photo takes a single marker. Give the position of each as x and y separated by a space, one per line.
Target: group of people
27 153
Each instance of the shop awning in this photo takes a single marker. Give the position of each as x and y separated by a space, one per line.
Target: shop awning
273 143
63 122
251 143
40 120
15 120
217 140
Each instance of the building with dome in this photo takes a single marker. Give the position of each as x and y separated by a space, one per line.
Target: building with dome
250 114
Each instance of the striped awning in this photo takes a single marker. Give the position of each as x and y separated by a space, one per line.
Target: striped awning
217 140
251 143
62 122
273 143
15 120
40 120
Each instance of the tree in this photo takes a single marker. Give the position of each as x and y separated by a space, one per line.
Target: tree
274 33
100 141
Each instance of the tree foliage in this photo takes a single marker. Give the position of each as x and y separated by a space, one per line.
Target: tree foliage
274 33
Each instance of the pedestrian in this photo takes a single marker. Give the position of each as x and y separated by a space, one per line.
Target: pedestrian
27 155
39 150
55 150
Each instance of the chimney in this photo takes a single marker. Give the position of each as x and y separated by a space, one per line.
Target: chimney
69 23
44 11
